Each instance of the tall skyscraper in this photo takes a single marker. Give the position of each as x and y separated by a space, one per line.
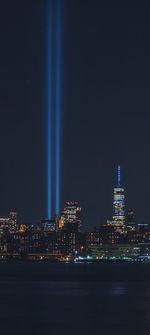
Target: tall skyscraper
71 215
118 204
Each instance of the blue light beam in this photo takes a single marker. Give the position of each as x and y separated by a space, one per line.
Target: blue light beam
49 113
58 105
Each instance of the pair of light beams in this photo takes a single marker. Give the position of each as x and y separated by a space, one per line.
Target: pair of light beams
53 106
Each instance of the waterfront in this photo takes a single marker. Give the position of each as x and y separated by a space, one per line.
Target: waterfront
74 299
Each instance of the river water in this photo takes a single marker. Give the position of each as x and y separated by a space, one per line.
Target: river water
104 299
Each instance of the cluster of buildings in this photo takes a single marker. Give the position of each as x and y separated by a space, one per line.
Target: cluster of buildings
119 239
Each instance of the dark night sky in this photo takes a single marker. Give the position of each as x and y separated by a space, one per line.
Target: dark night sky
105 106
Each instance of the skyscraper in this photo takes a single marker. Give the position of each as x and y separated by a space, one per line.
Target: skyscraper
8 223
12 221
118 204
131 219
71 215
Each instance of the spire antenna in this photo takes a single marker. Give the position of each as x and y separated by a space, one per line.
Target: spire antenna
119 176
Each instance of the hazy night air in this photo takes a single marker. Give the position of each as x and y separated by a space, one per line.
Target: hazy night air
105 70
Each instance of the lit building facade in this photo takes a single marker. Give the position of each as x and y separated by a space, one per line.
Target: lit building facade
119 205
71 216
131 219
4 224
8 223
48 225
12 221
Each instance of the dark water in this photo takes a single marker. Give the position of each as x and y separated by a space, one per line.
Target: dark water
74 299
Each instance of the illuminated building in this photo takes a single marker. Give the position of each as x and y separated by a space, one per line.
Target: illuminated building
4 224
120 252
143 227
118 205
61 223
131 219
48 225
107 234
8 223
12 221
26 241
22 228
65 242
71 215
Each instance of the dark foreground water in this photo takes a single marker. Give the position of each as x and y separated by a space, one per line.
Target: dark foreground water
104 299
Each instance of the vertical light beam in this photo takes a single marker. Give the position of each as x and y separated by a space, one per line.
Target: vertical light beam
58 105
49 112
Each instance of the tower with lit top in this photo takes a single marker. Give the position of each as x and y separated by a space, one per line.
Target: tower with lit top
119 204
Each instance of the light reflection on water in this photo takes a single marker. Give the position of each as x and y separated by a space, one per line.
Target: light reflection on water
67 307
119 289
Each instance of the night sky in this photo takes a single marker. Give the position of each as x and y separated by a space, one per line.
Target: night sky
105 107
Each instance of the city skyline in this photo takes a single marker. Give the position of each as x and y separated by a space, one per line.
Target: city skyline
104 107
75 167
121 214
